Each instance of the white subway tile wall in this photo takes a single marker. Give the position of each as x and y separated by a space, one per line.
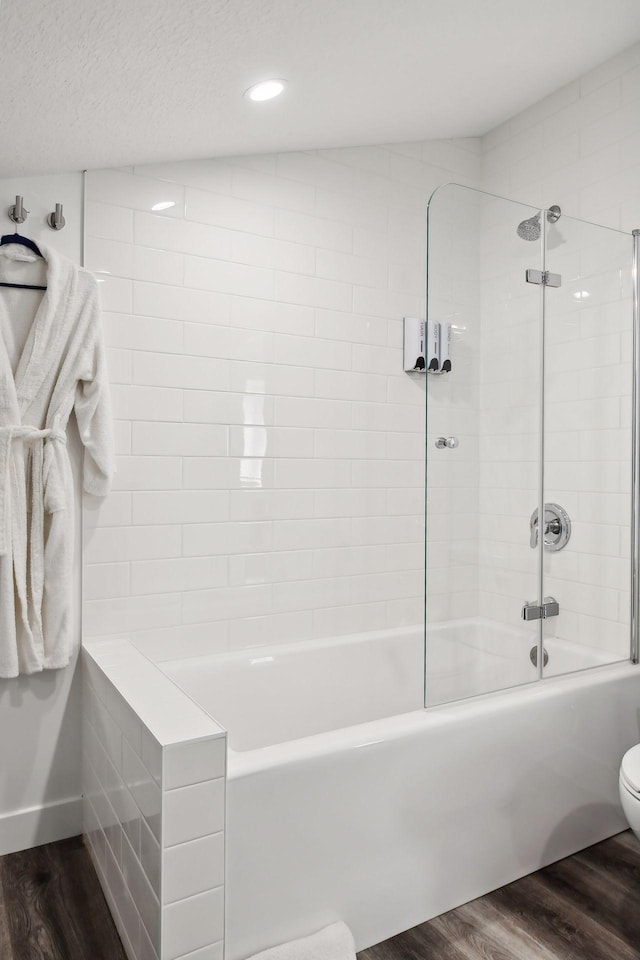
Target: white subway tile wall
453 409
153 774
270 447
577 148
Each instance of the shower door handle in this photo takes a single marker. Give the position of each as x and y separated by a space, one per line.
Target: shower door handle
450 442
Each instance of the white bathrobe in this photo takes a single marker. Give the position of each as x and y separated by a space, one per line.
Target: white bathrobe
51 362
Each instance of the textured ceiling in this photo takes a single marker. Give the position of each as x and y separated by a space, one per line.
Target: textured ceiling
88 84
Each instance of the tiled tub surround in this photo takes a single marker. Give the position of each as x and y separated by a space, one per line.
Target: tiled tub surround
492 402
153 767
579 148
453 405
254 339
588 325
271 449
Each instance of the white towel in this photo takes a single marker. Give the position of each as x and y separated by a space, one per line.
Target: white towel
334 942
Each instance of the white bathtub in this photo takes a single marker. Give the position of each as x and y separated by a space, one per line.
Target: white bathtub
346 799
467 658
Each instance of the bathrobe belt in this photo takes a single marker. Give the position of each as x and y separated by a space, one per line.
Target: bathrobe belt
47 490
47 494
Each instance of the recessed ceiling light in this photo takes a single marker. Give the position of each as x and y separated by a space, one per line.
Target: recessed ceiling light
582 295
163 205
266 90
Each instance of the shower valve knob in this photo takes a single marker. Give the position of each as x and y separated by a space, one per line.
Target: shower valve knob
557 527
450 442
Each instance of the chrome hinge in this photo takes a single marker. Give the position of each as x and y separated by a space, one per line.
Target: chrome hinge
536 611
544 277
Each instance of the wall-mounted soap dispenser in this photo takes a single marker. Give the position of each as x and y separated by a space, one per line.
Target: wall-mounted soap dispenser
415 344
427 346
445 348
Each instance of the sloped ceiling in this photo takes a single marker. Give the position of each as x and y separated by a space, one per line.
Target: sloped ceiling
88 84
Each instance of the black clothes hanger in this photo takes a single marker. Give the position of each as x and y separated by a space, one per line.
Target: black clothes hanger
30 245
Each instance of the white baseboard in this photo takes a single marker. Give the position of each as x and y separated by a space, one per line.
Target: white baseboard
33 826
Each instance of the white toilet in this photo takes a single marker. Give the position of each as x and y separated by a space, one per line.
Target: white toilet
629 784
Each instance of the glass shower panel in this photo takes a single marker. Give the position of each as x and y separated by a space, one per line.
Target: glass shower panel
587 444
483 445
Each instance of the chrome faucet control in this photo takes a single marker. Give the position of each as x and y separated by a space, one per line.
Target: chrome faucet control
556 527
450 442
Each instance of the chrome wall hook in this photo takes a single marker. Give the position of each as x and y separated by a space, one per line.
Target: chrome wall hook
55 220
17 211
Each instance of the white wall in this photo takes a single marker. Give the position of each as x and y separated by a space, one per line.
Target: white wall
453 405
578 148
271 456
271 448
40 714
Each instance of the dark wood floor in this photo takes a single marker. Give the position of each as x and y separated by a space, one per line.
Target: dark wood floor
52 907
586 907
583 908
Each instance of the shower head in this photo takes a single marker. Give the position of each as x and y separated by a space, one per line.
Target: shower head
530 229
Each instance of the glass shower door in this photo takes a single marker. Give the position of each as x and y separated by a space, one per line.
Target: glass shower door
587 443
483 473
